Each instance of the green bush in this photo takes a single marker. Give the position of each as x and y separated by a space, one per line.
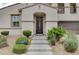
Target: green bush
5 33
49 34
3 41
51 37
71 42
22 40
19 49
27 33
58 32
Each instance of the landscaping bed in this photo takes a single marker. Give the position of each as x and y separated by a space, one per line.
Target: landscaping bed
22 43
58 49
8 49
17 44
62 41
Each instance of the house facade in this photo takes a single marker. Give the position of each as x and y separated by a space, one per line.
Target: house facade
39 17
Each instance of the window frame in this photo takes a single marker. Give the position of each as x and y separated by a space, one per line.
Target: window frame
73 8
19 21
62 8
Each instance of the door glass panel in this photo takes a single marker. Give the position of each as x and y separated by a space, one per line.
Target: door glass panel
39 25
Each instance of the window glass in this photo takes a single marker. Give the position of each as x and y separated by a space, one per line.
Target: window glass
15 20
60 7
72 7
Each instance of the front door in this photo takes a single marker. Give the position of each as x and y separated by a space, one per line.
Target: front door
39 25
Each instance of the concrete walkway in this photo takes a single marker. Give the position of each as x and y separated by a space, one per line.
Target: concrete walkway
39 46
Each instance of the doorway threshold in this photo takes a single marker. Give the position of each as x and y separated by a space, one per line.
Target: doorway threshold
39 34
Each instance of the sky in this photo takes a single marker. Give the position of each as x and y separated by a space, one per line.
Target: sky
5 4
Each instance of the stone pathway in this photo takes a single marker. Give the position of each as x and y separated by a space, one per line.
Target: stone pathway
39 46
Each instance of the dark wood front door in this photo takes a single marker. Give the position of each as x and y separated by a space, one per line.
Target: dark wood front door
39 25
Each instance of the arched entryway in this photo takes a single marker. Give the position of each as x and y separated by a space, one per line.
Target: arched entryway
39 22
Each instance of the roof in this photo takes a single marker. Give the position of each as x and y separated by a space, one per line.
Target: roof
27 6
10 6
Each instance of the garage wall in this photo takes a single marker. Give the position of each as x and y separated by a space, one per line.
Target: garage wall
70 25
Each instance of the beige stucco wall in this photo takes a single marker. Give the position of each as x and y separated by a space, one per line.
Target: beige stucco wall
13 31
5 18
28 17
67 16
27 26
5 15
28 21
27 13
50 25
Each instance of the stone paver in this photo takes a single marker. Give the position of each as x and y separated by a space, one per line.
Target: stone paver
39 46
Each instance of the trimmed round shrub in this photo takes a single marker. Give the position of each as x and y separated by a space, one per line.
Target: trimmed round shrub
22 40
27 33
71 43
19 49
5 33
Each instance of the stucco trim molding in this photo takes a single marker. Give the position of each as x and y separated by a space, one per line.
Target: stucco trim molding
10 28
70 20
50 21
35 5
27 21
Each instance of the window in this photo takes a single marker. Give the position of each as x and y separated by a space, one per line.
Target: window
60 8
15 20
72 7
